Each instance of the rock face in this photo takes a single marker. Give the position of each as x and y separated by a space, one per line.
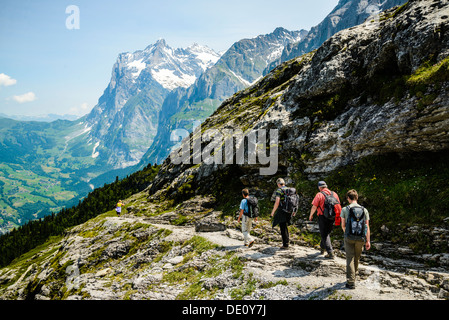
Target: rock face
353 59
371 89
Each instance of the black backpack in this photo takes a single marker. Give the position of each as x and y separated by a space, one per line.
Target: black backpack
291 200
331 204
253 207
356 224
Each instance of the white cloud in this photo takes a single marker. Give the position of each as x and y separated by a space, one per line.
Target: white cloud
81 110
6 80
84 107
27 97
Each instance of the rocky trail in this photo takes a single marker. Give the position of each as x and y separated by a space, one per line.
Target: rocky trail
147 257
311 276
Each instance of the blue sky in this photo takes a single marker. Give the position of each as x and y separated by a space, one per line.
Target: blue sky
47 68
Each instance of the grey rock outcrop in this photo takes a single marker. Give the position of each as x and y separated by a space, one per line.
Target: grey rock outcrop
330 106
210 223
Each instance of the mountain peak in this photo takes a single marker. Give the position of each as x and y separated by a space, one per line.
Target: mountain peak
280 30
161 42
195 45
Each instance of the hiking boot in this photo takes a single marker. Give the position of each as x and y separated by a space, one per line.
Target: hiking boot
330 255
251 244
350 286
283 248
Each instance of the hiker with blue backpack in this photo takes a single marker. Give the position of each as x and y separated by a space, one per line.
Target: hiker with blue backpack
249 210
327 203
355 225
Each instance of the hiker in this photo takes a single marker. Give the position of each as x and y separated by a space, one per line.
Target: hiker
355 225
285 207
325 223
118 207
247 221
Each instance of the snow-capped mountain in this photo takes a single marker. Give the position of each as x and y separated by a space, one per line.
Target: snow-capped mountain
239 67
173 68
124 122
152 89
170 68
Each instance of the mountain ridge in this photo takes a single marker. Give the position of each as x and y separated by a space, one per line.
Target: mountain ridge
346 14
240 66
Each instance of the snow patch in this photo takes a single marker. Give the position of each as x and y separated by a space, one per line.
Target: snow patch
170 81
275 54
78 133
95 154
245 82
207 56
138 66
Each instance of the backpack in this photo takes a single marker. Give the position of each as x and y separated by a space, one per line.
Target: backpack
253 207
291 200
356 225
332 207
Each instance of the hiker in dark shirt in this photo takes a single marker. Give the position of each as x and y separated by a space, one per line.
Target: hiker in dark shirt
281 217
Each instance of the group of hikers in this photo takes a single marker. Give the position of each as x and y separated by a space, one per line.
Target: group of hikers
354 220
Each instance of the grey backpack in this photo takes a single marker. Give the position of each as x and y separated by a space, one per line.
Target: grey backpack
356 224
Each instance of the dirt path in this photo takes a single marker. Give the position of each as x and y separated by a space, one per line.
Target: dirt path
317 277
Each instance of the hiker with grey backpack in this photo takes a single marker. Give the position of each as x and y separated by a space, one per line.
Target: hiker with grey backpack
285 207
355 225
